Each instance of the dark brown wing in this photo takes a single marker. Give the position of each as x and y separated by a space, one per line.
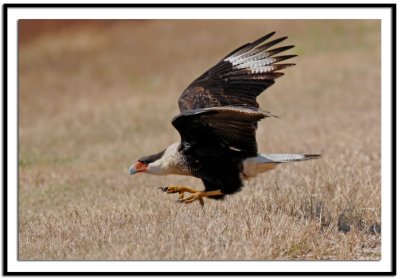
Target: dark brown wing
238 78
220 130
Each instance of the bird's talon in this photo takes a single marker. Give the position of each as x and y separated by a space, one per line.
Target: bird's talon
194 196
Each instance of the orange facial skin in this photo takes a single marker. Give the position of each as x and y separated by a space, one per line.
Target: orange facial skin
140 166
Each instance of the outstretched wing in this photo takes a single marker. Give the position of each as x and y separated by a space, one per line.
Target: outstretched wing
239 77
220 129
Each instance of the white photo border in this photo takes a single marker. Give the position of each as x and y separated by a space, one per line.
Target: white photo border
13 12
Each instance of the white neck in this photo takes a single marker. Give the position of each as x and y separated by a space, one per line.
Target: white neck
168 164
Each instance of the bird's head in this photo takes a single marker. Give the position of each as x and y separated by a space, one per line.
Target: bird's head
139 166
147 164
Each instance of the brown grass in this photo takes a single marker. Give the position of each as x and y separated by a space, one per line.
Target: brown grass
93 98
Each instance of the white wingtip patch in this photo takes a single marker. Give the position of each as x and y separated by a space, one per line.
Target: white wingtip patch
257 60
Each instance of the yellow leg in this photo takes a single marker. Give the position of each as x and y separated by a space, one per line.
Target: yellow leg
195 196
178 189
198 196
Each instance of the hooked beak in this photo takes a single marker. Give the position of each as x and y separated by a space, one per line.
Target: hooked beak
137 167
132 170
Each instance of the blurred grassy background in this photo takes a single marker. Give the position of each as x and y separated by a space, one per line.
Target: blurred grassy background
96 95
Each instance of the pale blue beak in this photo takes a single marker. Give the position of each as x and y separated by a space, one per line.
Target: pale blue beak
132 170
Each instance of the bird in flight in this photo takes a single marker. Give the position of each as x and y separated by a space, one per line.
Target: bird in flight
217 124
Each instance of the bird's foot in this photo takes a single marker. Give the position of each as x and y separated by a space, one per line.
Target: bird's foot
195 196
177 189
198 196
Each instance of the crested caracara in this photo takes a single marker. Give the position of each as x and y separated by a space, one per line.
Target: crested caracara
218 122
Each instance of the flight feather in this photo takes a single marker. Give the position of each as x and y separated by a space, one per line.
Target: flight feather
239 77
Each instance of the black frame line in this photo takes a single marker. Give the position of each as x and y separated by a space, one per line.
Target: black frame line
391 6
199 5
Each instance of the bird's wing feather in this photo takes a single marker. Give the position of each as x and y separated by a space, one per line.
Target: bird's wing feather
239 77
226 127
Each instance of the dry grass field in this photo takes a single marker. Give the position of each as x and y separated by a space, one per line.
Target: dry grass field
94 97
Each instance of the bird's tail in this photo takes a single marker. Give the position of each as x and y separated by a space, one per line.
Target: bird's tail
265 162
285 158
